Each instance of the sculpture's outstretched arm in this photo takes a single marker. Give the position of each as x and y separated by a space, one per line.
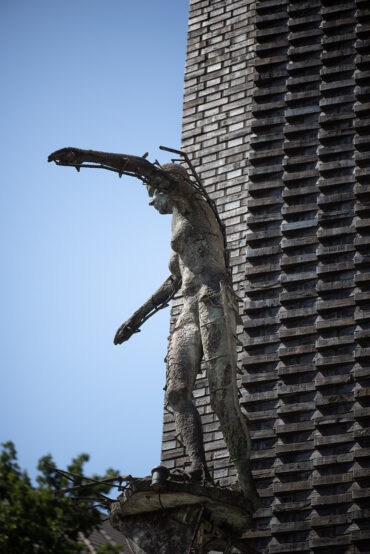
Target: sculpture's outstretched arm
123 164
155 303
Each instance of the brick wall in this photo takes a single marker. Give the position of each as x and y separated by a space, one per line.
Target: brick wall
276 121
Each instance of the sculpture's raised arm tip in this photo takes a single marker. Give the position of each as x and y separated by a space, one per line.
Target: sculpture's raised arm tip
64 155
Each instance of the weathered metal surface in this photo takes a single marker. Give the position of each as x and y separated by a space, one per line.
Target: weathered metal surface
207 324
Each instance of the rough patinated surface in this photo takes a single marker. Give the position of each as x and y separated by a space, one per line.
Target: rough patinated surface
206 327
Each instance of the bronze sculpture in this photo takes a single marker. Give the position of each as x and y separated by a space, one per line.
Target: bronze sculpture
206 326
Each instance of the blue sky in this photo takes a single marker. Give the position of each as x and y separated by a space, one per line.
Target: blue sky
81 251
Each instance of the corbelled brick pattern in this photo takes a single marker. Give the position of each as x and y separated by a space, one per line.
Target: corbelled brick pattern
277 122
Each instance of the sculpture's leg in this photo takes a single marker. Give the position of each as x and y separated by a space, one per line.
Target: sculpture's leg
223 398
183 360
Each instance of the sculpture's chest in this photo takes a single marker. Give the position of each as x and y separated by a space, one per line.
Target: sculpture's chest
183 232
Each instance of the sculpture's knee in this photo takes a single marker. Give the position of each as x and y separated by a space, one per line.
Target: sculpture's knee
216 401
222 402
177 397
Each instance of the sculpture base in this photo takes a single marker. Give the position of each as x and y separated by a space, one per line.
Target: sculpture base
181 517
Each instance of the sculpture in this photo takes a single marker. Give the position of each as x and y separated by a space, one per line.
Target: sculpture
206 326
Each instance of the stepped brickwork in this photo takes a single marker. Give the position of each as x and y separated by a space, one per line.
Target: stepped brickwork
277 122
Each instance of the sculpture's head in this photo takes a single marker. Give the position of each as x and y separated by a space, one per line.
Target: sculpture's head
161 201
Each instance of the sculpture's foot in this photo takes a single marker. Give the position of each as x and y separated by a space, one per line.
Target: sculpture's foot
200 474
251 493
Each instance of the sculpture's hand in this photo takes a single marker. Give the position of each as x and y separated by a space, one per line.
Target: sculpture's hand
156 302
68 156
126 331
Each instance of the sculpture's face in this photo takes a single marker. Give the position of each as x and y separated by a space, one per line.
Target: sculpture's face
161 202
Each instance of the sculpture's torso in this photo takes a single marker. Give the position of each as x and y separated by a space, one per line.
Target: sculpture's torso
198 248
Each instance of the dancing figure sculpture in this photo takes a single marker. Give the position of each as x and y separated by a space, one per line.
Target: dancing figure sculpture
206 327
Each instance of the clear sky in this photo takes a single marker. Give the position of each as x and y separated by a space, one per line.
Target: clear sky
81 251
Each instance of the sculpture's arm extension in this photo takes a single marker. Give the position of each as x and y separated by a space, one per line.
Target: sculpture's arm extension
135 166
155 303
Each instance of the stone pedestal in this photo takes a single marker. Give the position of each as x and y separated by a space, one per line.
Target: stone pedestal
182 517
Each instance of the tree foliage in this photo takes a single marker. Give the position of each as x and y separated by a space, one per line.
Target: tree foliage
35 520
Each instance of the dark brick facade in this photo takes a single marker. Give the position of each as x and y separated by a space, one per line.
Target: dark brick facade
277 122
